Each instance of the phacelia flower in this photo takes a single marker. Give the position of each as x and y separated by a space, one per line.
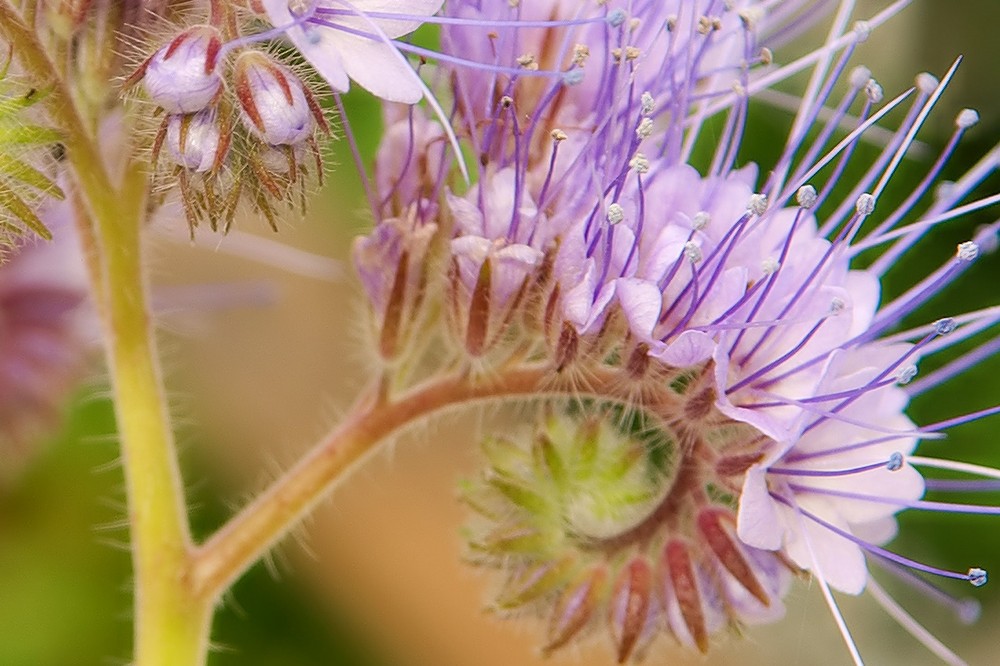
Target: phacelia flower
354 40
645 270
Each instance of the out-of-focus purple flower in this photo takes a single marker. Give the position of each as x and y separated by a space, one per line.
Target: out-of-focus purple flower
46 333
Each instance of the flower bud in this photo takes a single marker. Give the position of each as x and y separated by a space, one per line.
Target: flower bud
182 77
274 103
195 141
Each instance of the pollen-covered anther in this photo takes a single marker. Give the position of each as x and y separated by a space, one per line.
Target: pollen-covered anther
647 103
615 213
559 135
645 128
966 118
629 53
895 462
926 82
275 104
806 196
757 204
528 62
945 326
692 252
906 374
766 56
978 577
700 220
580 54
183 76
865 204
639 163
874 92
967 251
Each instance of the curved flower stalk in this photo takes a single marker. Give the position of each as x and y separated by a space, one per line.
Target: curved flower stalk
709 296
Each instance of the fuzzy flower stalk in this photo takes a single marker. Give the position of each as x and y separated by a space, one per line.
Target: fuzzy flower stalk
723 384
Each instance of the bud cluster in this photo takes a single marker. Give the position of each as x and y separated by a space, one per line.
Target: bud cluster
236 122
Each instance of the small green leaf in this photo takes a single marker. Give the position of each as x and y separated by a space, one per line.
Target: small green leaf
22 211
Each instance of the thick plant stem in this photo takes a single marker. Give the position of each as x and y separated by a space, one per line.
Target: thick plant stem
255 529
171 621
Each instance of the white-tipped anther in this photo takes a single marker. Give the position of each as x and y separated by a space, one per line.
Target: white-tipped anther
865 204
639 163
906 374
966 118
615 213
977 576
770 266
862 30
967 251
700 220
573 77
860 76
806 196
644 129
648 104
837 305
895 462
692 251
874 91
944 326
926 82
757 204
616 17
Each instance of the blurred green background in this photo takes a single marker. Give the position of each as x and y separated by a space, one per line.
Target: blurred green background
384 586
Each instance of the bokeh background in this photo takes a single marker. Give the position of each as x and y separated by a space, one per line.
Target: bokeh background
261 362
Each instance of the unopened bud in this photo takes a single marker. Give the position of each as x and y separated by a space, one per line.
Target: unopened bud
274 102
182 76
195 141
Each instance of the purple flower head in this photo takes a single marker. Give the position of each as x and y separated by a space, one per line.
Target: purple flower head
611 239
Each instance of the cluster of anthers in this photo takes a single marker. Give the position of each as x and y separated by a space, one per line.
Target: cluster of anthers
236 121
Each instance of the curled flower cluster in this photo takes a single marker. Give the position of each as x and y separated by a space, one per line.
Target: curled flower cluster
604 242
